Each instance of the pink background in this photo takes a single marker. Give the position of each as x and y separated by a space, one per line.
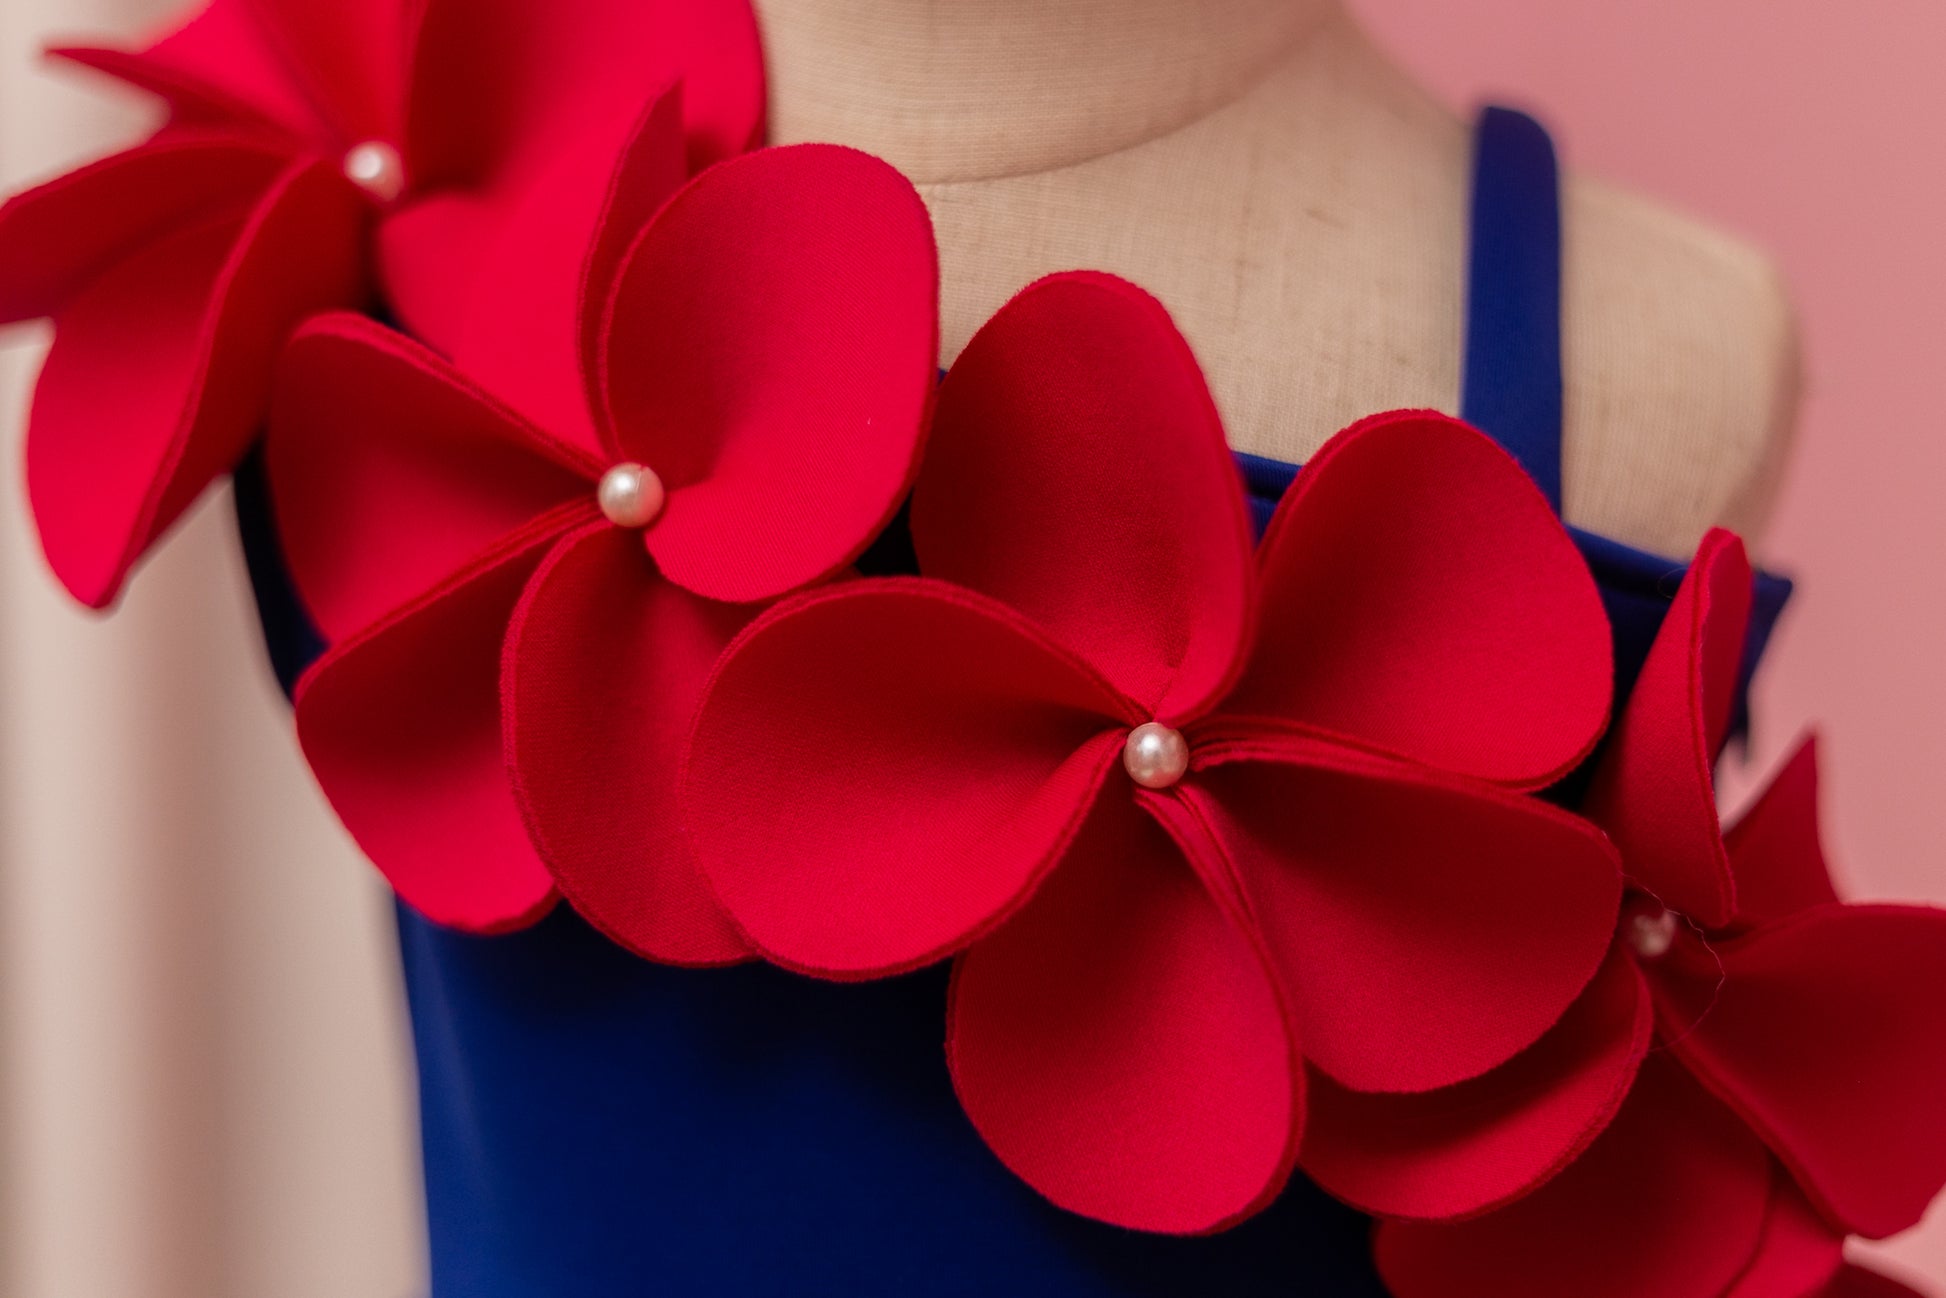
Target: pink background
1818 130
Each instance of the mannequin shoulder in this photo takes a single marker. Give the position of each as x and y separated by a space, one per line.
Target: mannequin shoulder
1682 360
1314 255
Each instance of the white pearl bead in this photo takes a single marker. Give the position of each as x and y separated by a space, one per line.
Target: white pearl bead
630 495
1155 756
376 168
1652 932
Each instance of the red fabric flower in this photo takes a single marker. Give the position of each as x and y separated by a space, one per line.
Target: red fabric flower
1800 1047
1191 816
767 347
448 135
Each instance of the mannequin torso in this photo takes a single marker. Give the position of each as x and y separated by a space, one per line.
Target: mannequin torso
1300 205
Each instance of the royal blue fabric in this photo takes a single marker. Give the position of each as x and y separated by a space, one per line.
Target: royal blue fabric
1512 378
595 1126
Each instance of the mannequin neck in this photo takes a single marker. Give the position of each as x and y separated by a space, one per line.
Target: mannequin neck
970 89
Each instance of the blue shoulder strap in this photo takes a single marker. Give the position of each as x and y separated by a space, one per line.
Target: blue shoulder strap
1512 383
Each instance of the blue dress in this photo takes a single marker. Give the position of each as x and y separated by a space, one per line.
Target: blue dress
595 1126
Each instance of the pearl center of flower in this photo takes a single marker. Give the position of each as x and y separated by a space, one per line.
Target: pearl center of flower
1650 930
376 168
1155 756
630 495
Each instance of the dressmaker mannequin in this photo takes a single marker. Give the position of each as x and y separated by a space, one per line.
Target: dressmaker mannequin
1300 205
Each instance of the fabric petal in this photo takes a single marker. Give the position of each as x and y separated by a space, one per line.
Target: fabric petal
1828 1035
217 66
1466 1149
771 352
1859 1282
1799 1253
433 253
161 370
1420 597
1121 1043
390 470
883 772
497 85
1428 928
1669 1202
1077 472
58 238
345 57
526 328
401 726
192 103
1776 851
604 666
1655 790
